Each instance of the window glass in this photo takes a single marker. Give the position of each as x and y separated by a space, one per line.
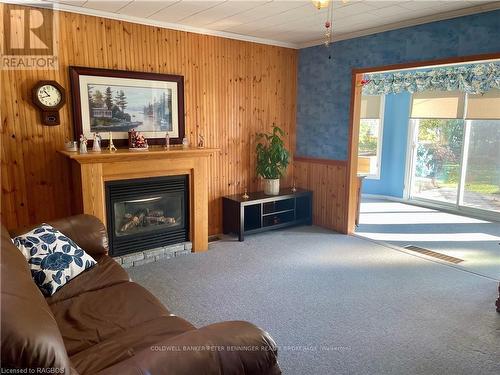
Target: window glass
369 147
482 177
437 159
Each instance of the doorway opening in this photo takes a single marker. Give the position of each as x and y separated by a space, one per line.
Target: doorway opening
429 158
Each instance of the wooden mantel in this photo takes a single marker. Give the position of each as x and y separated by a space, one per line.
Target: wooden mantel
91 171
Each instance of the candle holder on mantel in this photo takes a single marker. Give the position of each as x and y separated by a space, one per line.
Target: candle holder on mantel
111 146
245 194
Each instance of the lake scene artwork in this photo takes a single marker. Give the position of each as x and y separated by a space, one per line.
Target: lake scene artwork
122 108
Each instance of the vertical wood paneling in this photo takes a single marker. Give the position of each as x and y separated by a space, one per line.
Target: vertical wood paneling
233 89
326 178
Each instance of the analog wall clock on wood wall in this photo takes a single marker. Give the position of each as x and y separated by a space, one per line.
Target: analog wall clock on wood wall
49 97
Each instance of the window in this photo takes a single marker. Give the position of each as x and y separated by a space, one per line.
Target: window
437 159
481 180
481 187
456 149
370 136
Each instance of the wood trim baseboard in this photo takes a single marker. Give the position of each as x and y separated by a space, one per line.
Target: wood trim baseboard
320 161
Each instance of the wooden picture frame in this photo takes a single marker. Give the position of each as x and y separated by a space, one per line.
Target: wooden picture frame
108 100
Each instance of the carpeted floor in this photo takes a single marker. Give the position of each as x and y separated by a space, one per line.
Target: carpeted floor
475 241
338 304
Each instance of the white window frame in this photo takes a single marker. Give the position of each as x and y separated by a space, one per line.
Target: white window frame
380 139
458 206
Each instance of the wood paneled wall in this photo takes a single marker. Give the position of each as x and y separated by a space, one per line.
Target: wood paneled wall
232 90
327 179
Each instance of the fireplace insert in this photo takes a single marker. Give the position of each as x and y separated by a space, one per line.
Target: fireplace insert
147 213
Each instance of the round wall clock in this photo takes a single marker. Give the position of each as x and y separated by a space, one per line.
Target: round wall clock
49 97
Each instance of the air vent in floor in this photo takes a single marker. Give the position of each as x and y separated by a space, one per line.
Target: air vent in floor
434 254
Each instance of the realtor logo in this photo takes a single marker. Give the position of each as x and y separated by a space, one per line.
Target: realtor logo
28 41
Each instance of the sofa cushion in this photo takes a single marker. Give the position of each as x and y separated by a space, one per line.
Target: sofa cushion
30 335
127 343
54 258
95 316
104 274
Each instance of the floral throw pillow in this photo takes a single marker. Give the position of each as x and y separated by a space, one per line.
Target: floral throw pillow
54 259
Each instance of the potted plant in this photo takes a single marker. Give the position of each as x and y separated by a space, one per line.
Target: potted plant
272 159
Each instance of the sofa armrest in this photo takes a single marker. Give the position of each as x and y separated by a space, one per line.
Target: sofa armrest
227 348
87 231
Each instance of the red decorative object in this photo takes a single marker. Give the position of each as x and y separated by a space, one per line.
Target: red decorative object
328 25
364 82
137 140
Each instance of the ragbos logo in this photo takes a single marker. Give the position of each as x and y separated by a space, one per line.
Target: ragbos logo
28 38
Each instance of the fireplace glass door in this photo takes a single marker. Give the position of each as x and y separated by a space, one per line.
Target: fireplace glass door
147 213
160 211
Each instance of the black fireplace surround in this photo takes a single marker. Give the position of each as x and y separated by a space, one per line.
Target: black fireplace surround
147 213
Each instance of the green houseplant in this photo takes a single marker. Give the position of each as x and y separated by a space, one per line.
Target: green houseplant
272 159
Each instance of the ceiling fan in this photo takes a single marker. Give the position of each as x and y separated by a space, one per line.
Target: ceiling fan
321 4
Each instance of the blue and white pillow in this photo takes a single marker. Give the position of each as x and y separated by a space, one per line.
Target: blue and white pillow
54 259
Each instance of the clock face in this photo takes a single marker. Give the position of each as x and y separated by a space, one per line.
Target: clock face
49 95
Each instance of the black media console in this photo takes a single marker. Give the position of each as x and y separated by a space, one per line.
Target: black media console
261 212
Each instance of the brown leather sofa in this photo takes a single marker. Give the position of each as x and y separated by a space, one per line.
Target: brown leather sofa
103 323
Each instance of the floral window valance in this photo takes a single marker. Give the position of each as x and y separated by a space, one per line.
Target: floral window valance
472 79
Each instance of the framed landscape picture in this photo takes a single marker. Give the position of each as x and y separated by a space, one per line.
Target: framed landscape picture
117 101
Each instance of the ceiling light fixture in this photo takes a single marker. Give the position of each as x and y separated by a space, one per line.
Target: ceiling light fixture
320 4
329 25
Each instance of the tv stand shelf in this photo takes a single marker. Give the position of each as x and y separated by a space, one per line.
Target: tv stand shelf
261 212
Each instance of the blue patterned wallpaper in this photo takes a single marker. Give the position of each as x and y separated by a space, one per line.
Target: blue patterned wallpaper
324 84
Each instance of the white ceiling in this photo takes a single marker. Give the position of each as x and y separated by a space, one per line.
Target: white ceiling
292 23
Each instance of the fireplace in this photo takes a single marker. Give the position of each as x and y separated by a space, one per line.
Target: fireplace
146 213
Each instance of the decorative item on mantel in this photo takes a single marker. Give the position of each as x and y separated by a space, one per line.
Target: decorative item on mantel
111 146
96 146
272 159
201 141
136 141
83 144
71 146
294 188
245 194
167 141
185 143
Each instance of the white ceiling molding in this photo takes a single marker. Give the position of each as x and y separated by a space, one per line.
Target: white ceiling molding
254 24
149 22
408 23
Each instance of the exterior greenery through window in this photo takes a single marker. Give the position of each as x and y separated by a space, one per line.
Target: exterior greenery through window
368 137
439 150
439 158
369 147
